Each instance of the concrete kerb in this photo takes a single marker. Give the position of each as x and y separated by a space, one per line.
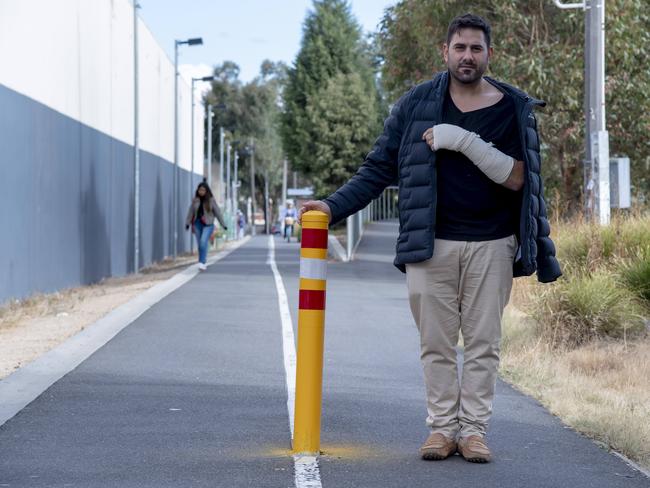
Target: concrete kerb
631 463
27 383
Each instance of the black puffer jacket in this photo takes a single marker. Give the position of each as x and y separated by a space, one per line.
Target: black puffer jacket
400 155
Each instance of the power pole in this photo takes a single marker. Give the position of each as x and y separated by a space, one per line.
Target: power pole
596 164
284 184
597 146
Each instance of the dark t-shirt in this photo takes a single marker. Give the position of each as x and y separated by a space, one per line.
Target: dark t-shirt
471 207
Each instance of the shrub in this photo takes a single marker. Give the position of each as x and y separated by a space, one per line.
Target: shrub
584 247
582 308
635 274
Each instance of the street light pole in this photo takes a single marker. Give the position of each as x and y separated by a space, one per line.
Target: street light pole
227 184
174 213
191 178
284 182
136 145
252 219
210 145
222 137
234 184
193 143
174 218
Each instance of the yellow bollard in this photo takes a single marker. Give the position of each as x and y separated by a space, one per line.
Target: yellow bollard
311 328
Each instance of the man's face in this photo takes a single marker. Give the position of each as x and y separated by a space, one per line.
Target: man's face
467 55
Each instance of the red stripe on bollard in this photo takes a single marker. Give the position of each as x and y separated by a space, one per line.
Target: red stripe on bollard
314 238
312 300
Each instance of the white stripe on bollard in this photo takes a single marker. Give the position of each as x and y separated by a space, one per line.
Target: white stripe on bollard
315 269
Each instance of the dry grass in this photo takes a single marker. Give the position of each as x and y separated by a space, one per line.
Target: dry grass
15 312
601 389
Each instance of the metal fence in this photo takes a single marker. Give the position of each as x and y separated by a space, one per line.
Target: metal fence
382 208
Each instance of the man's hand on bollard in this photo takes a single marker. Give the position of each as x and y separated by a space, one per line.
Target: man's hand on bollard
315 205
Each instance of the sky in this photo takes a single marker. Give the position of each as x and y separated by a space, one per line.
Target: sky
244 31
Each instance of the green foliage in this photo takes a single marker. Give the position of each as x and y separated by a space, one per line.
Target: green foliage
250 113
341 114
539 48
332 78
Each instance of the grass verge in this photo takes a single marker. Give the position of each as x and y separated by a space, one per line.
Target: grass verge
601 388
583 348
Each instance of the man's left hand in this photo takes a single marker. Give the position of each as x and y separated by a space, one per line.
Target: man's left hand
428 138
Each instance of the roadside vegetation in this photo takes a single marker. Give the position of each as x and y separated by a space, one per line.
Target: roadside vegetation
581 345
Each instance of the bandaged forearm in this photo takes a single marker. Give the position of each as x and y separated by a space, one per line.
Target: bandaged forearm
496 165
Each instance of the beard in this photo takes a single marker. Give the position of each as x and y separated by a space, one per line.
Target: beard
467 74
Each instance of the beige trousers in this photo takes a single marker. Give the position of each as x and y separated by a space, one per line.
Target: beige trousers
464 288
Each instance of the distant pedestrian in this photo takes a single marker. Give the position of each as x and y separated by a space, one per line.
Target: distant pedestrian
241 224
466 153
200 216
290 216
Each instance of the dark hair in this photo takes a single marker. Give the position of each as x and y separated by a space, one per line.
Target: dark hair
469 21
208 192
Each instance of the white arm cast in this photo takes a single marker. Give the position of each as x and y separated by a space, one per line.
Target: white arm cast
496 165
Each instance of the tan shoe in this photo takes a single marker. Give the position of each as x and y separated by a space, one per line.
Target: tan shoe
437 447
474 449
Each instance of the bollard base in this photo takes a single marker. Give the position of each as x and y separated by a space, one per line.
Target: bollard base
306 453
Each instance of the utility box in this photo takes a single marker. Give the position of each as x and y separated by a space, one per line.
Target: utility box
619 182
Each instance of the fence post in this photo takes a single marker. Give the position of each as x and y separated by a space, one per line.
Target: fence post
311 332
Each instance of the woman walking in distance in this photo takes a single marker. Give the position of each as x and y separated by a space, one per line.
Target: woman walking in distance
200 216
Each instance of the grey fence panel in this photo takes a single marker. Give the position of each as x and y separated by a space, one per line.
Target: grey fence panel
66 202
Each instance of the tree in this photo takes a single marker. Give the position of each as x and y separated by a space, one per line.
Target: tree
343 115
333 62
251 113
539 48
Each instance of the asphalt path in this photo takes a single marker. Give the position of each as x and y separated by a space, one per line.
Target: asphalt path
374 400
193 394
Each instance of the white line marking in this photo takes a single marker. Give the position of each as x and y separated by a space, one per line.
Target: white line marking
27 383
288 341
307 473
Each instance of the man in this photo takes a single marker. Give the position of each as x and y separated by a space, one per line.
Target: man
465 151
